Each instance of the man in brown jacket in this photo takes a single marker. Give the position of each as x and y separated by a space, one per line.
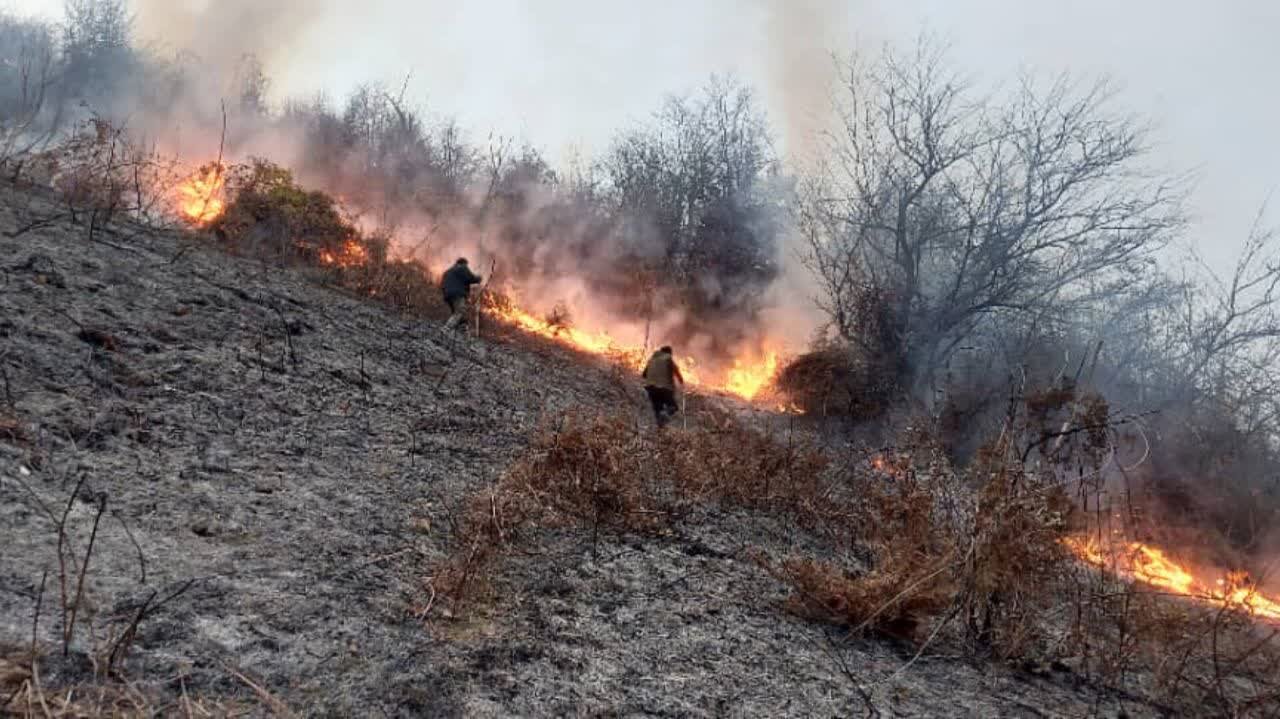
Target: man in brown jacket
660 376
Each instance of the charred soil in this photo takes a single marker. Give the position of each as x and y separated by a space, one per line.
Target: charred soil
263 469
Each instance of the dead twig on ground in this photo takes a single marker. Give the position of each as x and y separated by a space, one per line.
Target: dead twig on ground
36 225
273 703
69 627
833 652
35 634
142 559
62 562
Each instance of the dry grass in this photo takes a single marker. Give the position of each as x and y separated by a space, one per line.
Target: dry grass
23 693
940 554
972 559
599 473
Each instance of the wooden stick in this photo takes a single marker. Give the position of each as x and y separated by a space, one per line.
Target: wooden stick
493 264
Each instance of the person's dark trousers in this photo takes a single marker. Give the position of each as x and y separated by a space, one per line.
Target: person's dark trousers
457 312
664 404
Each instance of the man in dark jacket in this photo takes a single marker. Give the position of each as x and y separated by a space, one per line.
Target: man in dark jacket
660 376
456 285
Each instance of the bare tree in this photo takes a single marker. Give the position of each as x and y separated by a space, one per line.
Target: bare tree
97 50
967 213
699 195
253 84
28 75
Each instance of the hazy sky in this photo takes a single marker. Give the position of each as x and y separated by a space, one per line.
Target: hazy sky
570 72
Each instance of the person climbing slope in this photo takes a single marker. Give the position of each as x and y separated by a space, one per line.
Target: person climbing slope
660 376
456 286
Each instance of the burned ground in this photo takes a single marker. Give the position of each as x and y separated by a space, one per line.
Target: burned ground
277 464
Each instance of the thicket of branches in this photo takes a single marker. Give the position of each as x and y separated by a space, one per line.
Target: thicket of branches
900 542
969 240
981 258
685 211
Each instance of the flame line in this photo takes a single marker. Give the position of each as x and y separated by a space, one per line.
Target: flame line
1149 565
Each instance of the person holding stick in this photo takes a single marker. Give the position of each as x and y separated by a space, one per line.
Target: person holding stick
660 376
456 286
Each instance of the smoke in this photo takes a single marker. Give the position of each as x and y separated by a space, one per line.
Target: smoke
802 66
614 240
707 265
222 32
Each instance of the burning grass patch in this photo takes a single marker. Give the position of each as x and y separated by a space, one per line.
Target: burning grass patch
1191 656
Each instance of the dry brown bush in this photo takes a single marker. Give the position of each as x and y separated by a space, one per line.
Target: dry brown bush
598 472
724 461
977 557
969 552
903 581
837 381
100 174
578 470
915 548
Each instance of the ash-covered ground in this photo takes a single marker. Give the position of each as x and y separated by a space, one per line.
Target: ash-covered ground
276 463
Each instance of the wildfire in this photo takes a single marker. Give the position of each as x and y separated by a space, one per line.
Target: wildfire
1151 566
202 199
747 378
201 195
352 254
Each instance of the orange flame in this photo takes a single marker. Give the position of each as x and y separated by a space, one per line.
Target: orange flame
1151 566
201 195
202 200
747 378
352 254
599 343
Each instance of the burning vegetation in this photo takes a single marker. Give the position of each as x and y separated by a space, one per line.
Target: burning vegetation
999 318
240 202
1152 566
201 196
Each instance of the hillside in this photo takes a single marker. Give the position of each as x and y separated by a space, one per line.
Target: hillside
276 464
